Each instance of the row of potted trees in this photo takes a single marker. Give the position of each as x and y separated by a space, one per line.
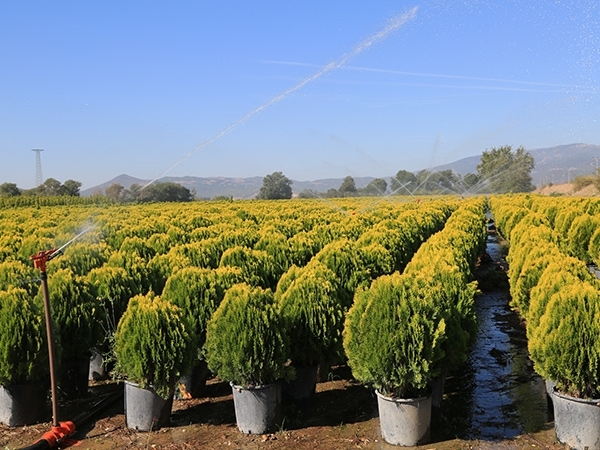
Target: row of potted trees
559 299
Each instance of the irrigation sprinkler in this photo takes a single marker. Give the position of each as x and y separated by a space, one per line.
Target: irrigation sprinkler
40 260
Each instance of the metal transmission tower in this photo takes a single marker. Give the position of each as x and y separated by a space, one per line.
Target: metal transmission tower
39 179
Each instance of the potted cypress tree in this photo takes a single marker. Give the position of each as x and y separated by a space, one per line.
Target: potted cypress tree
198 292
564 344
314 318
78 320
247 346
393 341
154 346
24 370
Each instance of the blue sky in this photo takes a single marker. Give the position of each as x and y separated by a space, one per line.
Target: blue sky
107 88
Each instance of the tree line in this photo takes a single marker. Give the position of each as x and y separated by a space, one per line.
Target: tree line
501 170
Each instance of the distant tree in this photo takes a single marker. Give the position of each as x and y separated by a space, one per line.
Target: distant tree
331 193
308 193
404 182
114 191
276 186
71 188
504 170
470 182
348 187
9 190
444 181
376 187
165 192
50 187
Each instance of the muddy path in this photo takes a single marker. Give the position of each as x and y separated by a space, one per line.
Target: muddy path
495 402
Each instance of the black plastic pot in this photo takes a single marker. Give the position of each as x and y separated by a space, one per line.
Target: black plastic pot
577 421
24 404
145 410
74 377
303 386
257 408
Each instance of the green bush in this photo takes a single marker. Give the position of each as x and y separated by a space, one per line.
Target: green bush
77 315
245 339
313 317
393 340
23 345
154 344
565 343
198 292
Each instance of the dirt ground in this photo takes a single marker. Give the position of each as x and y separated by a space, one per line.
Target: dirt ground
568 190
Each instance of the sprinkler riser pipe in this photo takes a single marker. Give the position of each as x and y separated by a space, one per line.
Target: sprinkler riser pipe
50 337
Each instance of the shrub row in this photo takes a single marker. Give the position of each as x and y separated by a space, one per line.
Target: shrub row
555 293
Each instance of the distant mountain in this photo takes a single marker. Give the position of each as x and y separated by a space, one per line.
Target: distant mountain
555 165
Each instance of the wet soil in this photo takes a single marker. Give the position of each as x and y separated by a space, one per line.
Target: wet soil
495 402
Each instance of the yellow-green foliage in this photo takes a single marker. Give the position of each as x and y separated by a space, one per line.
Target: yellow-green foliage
579 235
154 344
392 339
23 348
15 273
245 340
112 287
313 316
198 292
564 345
76 314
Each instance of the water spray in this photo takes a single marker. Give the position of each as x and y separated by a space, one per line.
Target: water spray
40 260
393 25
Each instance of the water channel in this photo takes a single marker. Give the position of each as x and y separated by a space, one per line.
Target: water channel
497 395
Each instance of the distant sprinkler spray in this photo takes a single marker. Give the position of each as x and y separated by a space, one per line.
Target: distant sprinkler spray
393 25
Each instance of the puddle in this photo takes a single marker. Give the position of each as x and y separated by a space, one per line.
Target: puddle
497 395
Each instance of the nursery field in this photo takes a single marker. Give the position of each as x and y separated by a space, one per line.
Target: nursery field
394 295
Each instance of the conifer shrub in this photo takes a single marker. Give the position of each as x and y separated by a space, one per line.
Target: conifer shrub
312 316
564 345
246 343
76 314
579 235
258 268
198 292
154 344
112 287
14 273
23 345
393 340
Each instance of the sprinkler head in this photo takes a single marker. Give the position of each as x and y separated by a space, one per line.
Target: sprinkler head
42 257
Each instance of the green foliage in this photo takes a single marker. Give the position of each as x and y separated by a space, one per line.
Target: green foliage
258 268
154 344
276 186
17 274
23 347
76 314
112 287
245 340
579 235
564 345
198 292
505 171
313 316
163 192
393 340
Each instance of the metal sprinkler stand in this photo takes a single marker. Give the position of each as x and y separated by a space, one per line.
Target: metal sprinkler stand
39 261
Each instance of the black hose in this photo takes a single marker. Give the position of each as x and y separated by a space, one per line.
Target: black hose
44 444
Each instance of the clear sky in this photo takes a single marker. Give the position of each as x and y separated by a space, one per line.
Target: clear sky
176 88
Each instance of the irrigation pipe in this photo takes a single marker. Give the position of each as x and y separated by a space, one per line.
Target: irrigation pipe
65 429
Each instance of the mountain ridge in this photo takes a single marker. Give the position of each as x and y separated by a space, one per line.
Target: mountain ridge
553 165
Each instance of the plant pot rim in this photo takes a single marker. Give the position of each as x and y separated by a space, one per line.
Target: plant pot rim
251 387
590 401
402 399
